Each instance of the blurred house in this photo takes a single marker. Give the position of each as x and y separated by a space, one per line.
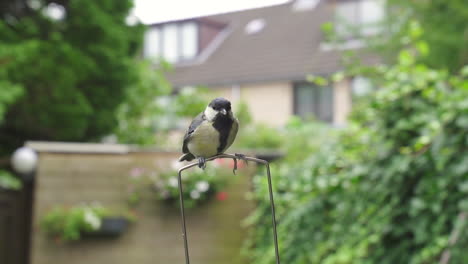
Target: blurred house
262 56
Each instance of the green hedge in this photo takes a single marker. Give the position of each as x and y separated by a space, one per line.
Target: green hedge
387 189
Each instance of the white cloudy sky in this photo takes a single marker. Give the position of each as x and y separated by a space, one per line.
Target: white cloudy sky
152 11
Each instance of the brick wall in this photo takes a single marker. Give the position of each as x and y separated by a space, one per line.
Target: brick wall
69 177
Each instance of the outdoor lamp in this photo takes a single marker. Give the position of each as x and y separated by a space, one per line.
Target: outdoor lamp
24 162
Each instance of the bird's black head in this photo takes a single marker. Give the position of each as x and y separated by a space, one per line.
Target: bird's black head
220 103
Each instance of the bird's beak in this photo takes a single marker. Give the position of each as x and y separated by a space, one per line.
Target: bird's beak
223 111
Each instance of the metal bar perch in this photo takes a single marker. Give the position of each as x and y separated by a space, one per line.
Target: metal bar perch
235 158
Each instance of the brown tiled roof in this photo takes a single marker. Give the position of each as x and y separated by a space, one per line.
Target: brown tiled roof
286 49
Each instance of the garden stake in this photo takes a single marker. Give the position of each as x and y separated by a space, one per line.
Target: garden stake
235 157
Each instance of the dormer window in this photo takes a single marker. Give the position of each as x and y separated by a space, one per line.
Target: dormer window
174 42
359 18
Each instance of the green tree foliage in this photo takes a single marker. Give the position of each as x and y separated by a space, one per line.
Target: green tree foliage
137 116
64 76
257 136
445 24
388 189
151 110
296 139
190 101
242 113
10 91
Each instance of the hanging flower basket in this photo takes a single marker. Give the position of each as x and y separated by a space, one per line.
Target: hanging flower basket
74 223
110 227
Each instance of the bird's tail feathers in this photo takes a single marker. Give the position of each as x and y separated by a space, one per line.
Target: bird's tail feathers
187 157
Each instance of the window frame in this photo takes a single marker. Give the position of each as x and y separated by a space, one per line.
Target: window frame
316 96
357 28
179 41
182 40
145 43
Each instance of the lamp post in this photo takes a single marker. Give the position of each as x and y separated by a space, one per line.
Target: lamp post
24 162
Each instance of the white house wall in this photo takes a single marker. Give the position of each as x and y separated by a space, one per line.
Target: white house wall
342 102
270 103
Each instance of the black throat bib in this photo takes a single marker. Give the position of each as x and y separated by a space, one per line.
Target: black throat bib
223 125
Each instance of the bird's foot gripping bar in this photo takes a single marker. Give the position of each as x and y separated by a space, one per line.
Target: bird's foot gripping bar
238 157
201 163
235 158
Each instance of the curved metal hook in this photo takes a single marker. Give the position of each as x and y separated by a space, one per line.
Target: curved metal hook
235 157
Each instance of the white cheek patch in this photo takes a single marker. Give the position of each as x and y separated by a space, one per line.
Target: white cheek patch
210 113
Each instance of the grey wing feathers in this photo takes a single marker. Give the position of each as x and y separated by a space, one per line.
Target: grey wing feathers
187 157
195 123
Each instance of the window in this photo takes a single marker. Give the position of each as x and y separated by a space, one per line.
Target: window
151 48
312 100
169 43
304 5
357 18
189 40
175 42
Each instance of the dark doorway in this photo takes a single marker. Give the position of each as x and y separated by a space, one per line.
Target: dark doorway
15 225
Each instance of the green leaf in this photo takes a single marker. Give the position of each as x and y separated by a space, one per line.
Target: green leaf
464 186
463 205
415 29
405 58
338 76
8 181
318 80
464 71
423 48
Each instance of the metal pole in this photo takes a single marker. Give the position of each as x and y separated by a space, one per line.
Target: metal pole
273 217
182 212
270 189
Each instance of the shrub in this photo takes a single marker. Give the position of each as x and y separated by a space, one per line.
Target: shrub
8 181
258 136
388 189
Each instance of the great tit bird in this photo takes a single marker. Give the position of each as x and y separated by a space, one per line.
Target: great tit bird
211 133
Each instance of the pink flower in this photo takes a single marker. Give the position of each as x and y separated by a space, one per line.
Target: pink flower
221 196
240 164
136 172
